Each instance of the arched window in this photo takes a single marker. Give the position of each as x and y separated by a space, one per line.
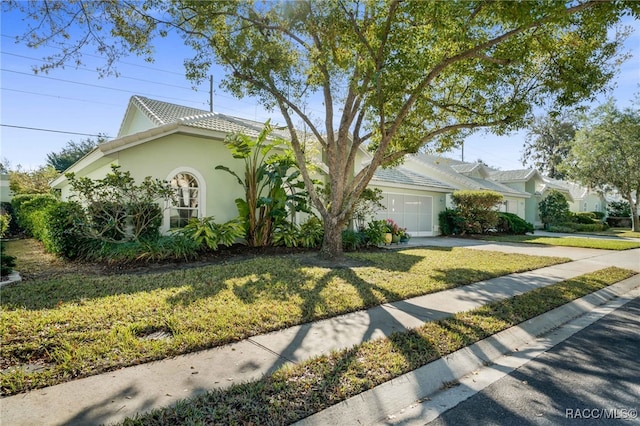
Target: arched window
186 202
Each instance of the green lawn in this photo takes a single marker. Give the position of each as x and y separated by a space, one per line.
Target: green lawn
67 323
595 243
295 392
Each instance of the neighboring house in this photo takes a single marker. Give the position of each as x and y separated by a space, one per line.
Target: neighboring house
5 192
411 199
468 176
525 180
582 199
178 144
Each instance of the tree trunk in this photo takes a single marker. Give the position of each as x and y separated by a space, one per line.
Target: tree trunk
332 242
635 221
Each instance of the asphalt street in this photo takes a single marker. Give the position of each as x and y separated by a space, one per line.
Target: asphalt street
592 378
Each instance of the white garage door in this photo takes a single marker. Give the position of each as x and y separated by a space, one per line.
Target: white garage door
414 212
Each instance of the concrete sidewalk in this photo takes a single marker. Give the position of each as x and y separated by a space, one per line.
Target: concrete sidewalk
113 396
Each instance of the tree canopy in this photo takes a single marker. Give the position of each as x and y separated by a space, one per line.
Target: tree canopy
548 143
394 76
606 153
72 152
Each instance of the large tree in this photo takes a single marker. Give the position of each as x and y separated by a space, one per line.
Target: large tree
606 153
393 76
72 152
548 143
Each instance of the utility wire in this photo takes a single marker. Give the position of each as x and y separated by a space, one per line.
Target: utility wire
54 131
95 71
91 101
91 85
102 57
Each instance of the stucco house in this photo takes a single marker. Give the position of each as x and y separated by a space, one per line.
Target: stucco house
183 145
179 144
5 192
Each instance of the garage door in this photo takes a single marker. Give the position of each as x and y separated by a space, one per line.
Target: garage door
414 212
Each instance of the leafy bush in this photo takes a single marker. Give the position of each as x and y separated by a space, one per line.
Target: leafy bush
26 205
311 233
619 209
450 222
477 210
7 209
206 233
511 223
554 209
375 232
118 209
586 218
598 215
286 234
353 240
162 249
7 263
63 229
5 220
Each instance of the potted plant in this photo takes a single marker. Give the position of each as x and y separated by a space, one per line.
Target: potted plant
393 230
404 235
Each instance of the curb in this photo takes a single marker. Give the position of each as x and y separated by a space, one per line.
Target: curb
397 394
13 277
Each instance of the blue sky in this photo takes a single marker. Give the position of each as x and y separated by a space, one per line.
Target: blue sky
77 100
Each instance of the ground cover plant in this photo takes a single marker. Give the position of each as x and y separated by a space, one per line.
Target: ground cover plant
595 243
77 323
295 392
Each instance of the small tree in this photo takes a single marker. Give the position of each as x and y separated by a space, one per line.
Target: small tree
477 210
118 209
271 191
619 209
554 209
367 206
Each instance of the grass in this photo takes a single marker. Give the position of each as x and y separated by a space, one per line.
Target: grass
295 392
594 243
618 232
70 323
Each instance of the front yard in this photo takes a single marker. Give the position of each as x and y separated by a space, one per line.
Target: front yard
66 321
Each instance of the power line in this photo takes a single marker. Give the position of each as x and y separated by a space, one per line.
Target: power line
102 57
54 131
60 97
95 71
91 85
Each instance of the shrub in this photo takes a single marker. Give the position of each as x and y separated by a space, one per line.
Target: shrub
449 221
176 247
598 215
554 209
510 223
5 220
586 218
63 234
311 233
7 209
353 240
286 234
476 209
375 231
206 233
619 209
26 205
7 263
118 209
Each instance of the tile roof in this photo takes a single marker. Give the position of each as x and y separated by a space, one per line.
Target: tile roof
407 177
512 175
162 113
448 167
